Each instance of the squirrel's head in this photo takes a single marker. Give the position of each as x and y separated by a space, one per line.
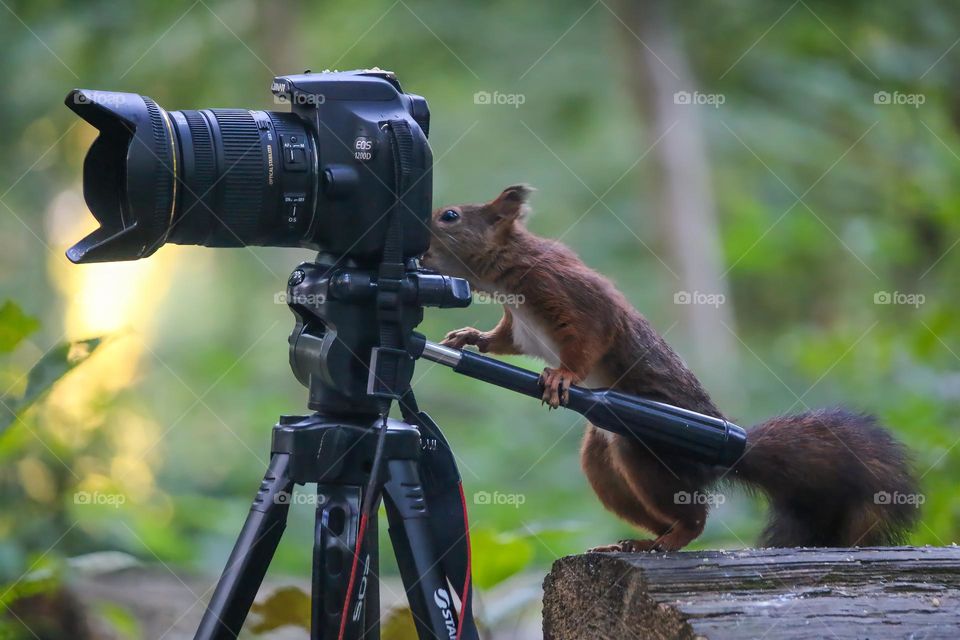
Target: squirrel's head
462 236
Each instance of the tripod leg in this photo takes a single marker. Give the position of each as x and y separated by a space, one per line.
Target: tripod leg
251 555
336 529
433 608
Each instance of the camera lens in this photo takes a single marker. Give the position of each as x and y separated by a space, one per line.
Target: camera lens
214 177
248 178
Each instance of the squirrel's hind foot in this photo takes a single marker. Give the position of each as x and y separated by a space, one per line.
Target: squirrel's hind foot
628 546
556 386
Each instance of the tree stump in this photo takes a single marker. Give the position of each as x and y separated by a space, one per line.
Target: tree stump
883 592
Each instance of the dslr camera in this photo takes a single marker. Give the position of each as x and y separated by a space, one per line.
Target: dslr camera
322 176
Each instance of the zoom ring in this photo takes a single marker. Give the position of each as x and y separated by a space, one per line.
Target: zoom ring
199 192
241 186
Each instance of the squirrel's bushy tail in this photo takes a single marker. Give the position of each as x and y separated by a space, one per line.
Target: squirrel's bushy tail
833 479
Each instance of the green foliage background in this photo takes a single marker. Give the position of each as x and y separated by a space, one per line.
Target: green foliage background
880 215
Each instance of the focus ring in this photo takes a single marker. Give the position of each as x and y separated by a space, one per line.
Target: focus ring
160 218
241 183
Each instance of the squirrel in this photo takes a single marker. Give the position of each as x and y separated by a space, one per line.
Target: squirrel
830 476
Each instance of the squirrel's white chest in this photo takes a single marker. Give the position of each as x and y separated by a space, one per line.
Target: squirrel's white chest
532 339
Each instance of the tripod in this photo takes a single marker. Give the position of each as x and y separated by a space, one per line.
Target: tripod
336 455
339 449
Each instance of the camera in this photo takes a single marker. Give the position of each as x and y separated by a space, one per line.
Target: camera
323 176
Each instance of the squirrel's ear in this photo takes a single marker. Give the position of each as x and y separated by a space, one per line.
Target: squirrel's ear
511 204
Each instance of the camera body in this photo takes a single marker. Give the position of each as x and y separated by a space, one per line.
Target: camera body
330 175
357 163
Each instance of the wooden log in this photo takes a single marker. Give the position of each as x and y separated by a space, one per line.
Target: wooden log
884 592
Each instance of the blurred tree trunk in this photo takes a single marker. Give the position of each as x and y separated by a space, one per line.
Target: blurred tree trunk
281 36
657 69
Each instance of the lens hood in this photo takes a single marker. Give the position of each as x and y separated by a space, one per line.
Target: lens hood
129 175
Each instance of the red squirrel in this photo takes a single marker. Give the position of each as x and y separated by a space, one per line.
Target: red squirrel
824 472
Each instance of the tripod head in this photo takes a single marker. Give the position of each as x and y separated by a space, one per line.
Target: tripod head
336 350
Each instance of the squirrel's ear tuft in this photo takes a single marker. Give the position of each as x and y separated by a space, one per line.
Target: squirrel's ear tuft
517 192
511 204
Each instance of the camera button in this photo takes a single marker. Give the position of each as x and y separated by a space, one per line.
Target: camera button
294 153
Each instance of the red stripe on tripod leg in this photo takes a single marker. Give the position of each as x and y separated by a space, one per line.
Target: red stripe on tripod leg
353 575
466 581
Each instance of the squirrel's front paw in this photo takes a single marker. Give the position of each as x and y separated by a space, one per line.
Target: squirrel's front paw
556 386
462 337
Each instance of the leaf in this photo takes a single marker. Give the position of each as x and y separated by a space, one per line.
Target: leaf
398 625
285 606
44 576
121 619
15 325
498 556
52 366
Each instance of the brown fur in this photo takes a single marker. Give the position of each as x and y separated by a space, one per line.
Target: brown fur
820 470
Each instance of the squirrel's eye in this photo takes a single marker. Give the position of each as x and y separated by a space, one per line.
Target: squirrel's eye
449 216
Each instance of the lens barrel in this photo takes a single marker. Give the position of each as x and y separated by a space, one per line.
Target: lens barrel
249 178
214 177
